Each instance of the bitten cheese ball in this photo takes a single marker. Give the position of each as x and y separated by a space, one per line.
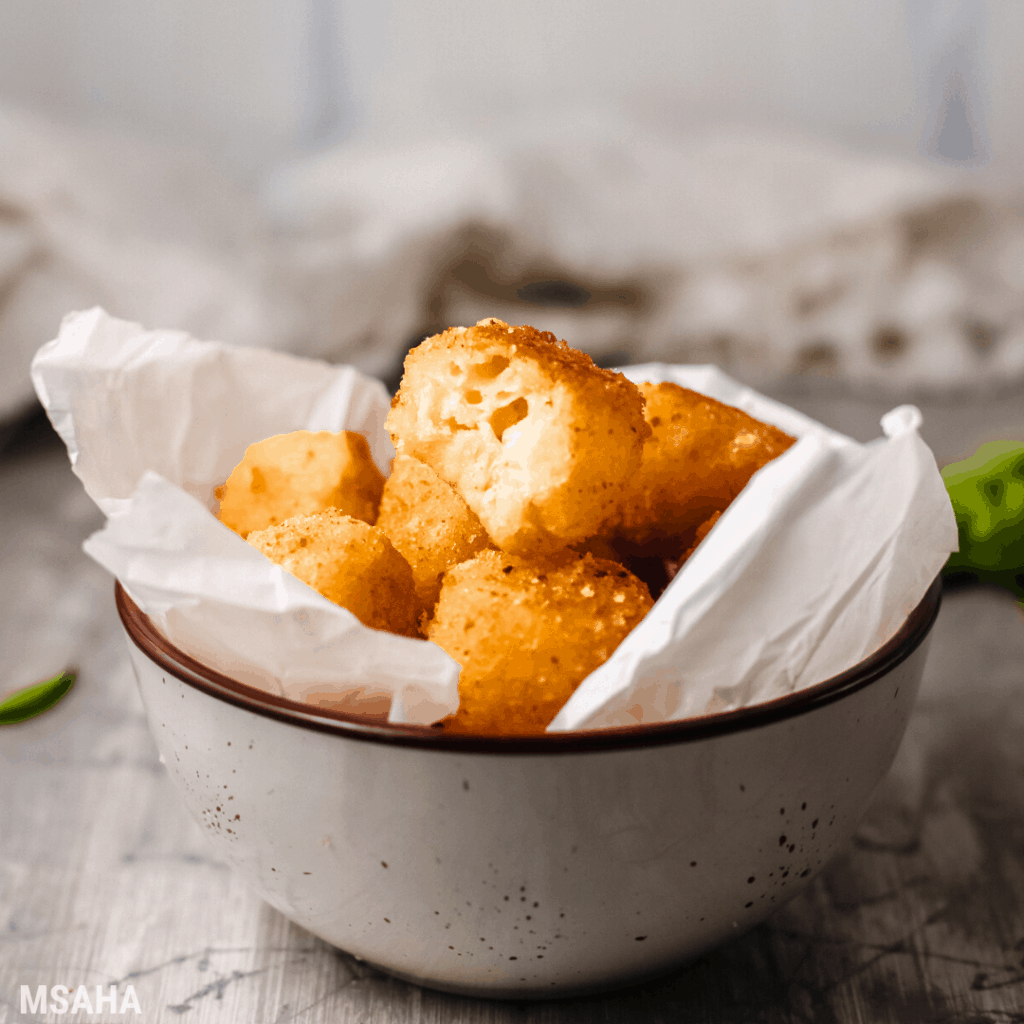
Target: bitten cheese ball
428 523
699 457
539 442
526 634
297 474
348 561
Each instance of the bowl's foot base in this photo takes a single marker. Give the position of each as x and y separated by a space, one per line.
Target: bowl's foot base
524 991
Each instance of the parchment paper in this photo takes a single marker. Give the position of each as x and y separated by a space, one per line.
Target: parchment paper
813 566
153 422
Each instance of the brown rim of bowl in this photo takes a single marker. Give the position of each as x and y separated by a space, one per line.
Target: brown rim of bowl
175 661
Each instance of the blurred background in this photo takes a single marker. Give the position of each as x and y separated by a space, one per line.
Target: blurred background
793 190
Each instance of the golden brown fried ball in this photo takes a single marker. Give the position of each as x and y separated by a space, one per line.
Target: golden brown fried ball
528 633
348 561
428 523
297 474
537 440
700 456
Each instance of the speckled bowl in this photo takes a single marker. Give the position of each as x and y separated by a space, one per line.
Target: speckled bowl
527 868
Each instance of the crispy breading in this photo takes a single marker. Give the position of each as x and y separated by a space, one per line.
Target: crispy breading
428 523
348 561
528 633
699 457
297 474
537 440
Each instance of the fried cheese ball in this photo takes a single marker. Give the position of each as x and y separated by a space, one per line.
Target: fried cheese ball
297 474
538 441
428 523
699 457
348 561
528 633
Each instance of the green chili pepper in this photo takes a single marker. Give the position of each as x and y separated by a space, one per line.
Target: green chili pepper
987 493
34 700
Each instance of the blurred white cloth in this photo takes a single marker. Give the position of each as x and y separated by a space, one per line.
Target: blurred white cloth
768 254
151 233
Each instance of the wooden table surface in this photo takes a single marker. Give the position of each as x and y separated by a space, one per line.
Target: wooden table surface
105 879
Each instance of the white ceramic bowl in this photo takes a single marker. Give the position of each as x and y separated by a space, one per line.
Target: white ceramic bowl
527 868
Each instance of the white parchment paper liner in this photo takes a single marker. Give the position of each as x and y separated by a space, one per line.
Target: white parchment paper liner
815 565
153 422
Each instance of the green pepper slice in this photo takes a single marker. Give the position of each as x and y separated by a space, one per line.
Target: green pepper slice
987 493
34 700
